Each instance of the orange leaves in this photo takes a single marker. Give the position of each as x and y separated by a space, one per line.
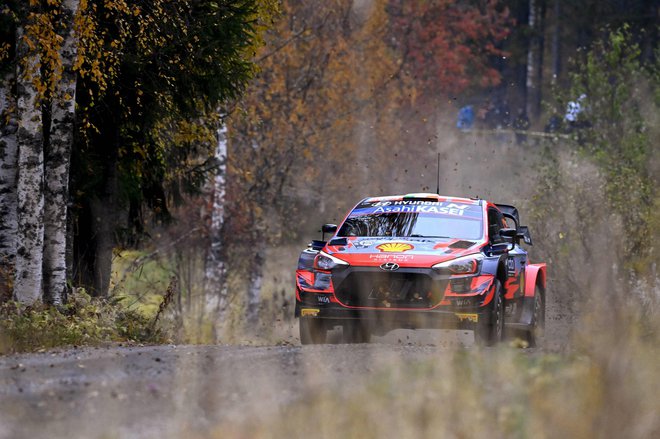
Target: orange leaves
42 64
447 45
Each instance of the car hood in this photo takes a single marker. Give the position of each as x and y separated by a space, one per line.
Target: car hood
407 252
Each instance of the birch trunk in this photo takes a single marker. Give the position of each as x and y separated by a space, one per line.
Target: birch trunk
8 170
535 58
57 161
556 42
256 281
30 193
215 287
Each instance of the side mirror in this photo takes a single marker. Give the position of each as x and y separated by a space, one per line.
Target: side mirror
328 228
509 235
500 249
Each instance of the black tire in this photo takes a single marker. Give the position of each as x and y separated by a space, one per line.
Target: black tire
491 333
535 334
356 332
312 331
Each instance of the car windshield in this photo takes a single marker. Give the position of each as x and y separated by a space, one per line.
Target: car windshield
414 218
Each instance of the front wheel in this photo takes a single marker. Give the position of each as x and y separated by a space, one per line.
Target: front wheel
312 331
489 334
356 332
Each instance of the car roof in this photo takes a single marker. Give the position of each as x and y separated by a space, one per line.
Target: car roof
424 196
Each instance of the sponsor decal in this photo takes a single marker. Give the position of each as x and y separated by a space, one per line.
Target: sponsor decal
511 266
363 244
391 257
313 312
443 208
469 317
452 209
395 247
322 298
462 302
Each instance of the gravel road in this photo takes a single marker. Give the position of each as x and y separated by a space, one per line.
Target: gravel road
162 391
176 391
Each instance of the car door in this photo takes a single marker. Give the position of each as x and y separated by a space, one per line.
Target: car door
516 259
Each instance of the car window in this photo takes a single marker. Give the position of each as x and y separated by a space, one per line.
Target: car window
421 219
495 222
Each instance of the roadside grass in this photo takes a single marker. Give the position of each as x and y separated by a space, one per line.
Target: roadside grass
607 385
140 280
82 321
132 314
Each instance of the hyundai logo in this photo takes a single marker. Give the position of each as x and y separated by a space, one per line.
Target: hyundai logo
389 266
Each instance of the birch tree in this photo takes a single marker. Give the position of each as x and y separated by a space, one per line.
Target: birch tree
8 170
29 190
215 286
57 162
534 77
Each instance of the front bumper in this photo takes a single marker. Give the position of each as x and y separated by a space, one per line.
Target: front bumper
451 302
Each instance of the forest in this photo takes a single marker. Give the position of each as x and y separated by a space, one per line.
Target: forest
164 162
199 131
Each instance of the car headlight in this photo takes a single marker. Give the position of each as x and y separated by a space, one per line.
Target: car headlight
463 265
325 261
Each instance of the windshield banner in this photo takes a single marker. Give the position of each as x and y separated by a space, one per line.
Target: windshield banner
471 211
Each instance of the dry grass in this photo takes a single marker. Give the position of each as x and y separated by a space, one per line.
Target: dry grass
607 386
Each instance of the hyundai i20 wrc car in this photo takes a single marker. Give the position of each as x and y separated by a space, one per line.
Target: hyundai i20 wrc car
421 261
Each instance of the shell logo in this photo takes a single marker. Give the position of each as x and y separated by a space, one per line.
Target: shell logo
392 247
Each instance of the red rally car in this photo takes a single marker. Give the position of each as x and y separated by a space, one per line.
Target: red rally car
421 261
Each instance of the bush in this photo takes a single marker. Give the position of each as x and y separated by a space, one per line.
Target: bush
83 321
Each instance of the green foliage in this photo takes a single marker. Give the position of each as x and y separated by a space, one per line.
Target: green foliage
83 321
613 130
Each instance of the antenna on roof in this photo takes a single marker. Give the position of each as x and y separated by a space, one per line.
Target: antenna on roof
437 191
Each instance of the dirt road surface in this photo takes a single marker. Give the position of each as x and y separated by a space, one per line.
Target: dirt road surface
171 391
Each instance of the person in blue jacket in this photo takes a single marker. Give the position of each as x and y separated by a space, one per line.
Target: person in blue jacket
465 118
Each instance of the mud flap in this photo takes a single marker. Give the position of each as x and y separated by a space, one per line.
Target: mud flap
526 315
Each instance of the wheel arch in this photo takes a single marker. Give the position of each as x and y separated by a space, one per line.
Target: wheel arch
496 266
535 274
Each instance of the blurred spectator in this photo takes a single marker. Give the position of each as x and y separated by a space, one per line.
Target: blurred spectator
554 124
521 124
490 115
503 115
573 110
465 118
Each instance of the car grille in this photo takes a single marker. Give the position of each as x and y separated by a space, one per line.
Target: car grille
390 290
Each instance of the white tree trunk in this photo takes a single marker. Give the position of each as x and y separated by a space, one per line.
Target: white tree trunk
8 170
215 286
57 160
535 58
30 234
256 283
556 42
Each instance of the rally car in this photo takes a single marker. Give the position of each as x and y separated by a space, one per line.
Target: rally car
421 261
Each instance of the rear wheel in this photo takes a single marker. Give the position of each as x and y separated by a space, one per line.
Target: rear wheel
489 334
535 334
312 331
356 332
